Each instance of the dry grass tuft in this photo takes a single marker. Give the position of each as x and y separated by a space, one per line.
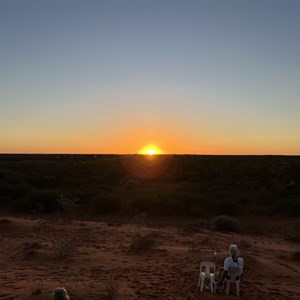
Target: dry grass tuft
64 249
144 242
111 289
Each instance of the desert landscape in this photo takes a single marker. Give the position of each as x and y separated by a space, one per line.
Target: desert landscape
140 248
139 138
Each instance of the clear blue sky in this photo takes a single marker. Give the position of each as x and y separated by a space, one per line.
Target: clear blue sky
114 76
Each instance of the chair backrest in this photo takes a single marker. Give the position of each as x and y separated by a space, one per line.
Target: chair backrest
234 272
207 267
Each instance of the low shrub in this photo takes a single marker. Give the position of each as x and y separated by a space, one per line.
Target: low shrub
67 202
294 236
39 226
153 203
10 192
177 207
190 200
4 222
296 255
226 223
65 248
105 203
227 207
37 291
143 242
112 289
195 226
197 211
290 205
36 200
140 219
169 203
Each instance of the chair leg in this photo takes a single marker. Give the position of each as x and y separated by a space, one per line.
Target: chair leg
238 288
227 286
201 281
202 285
212 283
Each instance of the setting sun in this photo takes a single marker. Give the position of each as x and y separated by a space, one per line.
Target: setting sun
150 150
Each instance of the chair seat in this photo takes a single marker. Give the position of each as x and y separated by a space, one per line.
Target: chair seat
207 272
203 274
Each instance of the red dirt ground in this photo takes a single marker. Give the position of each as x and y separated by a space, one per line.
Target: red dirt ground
101 253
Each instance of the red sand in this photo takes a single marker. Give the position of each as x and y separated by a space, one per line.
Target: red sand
101 253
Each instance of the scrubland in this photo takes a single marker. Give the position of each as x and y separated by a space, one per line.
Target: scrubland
137 227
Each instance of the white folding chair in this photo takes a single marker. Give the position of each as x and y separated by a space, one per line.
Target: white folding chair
207 271
235 276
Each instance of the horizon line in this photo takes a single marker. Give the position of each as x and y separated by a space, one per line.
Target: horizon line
162 154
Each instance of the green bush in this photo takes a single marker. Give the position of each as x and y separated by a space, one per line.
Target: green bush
226 223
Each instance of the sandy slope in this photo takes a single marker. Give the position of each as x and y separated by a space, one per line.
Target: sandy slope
30 256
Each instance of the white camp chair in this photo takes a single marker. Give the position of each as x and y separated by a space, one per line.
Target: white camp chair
235 272
207 271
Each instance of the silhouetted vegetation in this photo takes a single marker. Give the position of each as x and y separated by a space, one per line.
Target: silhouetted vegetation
226 223
297 255
105 203
166 185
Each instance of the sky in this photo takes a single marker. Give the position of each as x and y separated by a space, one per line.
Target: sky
194 77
